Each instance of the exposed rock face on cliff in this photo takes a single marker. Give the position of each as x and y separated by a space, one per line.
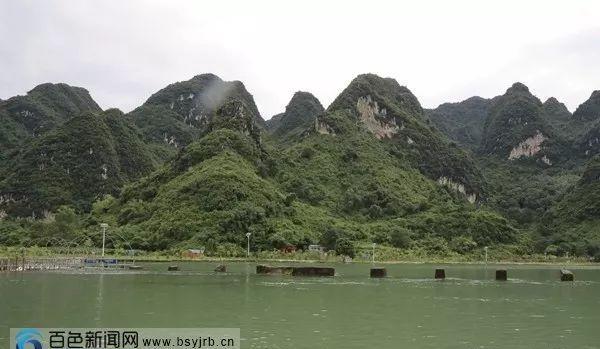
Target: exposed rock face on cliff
391 113
517 129
529 147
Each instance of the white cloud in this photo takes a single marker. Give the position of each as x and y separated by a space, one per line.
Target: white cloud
123 51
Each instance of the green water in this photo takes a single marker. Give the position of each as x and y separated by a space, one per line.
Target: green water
407 310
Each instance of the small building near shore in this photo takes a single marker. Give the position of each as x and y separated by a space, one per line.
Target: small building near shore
288 248
316 248
193 253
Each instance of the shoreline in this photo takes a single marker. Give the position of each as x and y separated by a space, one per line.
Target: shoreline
315 261
303 258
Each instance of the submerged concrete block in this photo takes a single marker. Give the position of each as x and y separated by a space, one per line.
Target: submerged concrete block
269 270
501 275
173 268
295 271
313 271
378 272
566 275
221 268
440 273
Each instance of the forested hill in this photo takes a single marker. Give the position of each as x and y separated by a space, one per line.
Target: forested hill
43 108
197 165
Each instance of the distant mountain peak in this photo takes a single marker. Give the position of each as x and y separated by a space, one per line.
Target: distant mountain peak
207 76
518 87
300 113
378 89
589 111
197 99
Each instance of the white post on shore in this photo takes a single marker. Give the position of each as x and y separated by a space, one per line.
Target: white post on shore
104 226
486 254
248 249
373 256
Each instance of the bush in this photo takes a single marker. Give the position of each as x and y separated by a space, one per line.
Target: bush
345 247
400 237
462 244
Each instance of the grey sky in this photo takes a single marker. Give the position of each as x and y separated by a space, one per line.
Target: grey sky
444 51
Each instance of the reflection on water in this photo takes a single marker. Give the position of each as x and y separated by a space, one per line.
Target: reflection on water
99 303
469 309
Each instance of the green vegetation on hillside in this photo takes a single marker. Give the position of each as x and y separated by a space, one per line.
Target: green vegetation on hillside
462 122
299 115
42 109
196 166
76 163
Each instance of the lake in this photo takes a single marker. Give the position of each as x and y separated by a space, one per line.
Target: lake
533 309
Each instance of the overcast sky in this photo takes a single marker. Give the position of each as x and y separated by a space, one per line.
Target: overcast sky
444 51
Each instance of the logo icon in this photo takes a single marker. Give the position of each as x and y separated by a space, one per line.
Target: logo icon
29 336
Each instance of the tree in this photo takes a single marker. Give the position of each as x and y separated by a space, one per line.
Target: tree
400 237
345 247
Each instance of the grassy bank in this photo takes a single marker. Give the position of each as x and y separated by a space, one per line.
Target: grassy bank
383 255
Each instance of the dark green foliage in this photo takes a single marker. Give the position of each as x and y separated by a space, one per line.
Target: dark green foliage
522 192
371 168
345 247
180 113
197 99
557 115
514 117
462 122
589 111
400 237
42 109
162 128
588 144
393 113
76 163
299 115
463 244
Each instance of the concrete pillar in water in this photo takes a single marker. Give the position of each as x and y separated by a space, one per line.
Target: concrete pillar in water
173 268
566 275
501 275
440 273
378 272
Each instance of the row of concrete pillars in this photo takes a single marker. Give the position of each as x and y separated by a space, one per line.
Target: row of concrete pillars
501 274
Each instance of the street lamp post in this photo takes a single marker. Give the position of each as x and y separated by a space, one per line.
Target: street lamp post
373 256
248 249
486 254
104 226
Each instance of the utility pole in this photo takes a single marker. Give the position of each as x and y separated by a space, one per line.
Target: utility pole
104 226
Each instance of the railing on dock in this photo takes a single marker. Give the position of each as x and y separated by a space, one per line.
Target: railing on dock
39 263
59 263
